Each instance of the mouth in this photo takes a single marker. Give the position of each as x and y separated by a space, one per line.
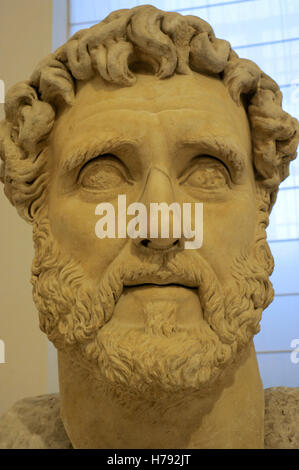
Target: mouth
160 279
160 284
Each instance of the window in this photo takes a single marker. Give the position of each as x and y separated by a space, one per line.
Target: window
265 31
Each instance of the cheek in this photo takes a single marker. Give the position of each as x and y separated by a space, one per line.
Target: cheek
229 229
73 226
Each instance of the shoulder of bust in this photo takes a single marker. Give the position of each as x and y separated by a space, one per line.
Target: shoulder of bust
34 423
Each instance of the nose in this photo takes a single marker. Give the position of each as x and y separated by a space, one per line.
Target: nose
163 214
159 244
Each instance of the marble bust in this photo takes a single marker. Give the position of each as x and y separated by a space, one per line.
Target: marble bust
154 341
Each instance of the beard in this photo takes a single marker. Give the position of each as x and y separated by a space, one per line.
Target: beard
162 356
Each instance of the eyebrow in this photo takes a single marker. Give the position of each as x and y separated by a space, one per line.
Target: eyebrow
79 154
220 147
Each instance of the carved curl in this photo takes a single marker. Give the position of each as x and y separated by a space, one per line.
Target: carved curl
169 43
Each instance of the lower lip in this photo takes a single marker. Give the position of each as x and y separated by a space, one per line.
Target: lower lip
129 308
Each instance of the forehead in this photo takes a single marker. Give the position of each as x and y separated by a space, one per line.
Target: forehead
181 105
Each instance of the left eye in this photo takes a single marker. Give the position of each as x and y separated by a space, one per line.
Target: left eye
103 174
206 174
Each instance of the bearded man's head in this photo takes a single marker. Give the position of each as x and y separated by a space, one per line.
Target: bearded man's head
151 105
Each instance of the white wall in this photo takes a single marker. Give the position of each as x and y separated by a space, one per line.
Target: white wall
25 38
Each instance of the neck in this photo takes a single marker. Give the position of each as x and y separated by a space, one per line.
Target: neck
231 416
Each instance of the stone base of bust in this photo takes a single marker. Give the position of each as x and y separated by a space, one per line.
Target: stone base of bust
35 423
231 415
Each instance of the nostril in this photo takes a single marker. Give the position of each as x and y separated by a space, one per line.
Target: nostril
158 244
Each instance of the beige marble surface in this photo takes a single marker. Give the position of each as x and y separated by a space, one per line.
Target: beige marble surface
34 423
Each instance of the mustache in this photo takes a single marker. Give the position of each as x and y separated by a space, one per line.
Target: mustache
180 268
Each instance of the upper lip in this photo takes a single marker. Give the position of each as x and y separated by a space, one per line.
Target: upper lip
152 284
159 280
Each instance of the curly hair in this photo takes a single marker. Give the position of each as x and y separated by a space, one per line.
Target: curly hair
168 43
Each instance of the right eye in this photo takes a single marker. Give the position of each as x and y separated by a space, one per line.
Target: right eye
104 173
